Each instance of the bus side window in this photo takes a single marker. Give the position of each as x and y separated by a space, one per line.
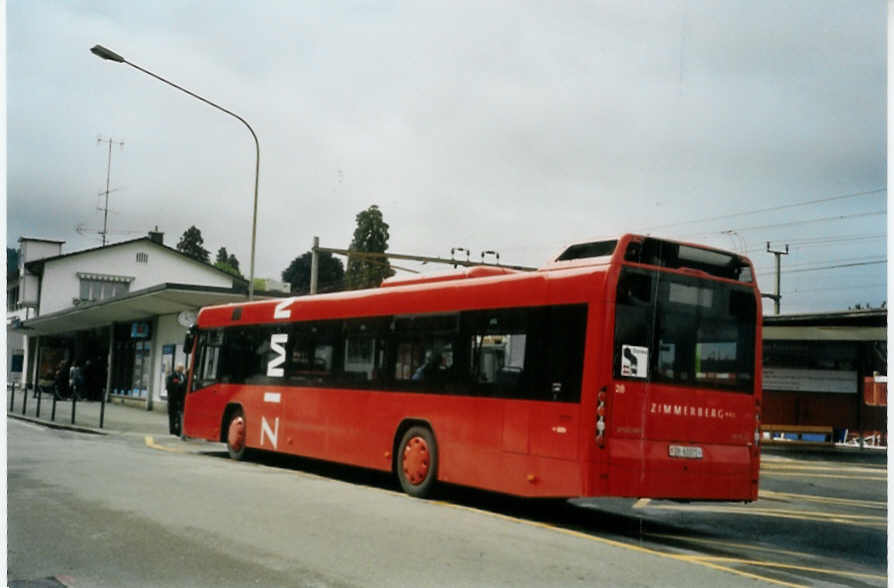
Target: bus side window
246 354
424 352
312 358
364 351
498 345
565 337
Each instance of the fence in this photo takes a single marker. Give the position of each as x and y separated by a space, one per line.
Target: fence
47 406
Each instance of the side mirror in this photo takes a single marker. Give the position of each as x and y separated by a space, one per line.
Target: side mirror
188 340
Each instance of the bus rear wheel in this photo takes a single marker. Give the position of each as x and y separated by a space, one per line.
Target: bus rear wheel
236 435
417 461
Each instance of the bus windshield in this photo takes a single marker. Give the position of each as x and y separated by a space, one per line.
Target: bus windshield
683 330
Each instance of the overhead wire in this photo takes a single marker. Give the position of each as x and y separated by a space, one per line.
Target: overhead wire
808 291
771 208
793 223
821 241
789 267
814 269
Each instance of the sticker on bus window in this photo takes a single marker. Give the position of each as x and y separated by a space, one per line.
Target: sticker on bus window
634 361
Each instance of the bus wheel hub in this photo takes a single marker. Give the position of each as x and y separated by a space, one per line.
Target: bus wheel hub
236 434
416 460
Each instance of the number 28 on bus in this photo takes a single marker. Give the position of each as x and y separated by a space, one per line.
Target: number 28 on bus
627 367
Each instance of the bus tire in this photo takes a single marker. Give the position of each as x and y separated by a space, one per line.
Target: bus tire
236 435
417 461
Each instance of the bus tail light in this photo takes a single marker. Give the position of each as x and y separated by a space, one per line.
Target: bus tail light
600 417
757 427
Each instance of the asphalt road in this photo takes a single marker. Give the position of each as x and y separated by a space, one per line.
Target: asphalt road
88 510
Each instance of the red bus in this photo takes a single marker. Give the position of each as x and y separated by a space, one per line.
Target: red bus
628 367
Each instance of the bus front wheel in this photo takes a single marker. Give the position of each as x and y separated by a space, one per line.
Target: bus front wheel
236 435
417 461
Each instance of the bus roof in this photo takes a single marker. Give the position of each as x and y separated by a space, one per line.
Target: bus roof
576 261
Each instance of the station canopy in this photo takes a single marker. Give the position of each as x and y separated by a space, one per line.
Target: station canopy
161 299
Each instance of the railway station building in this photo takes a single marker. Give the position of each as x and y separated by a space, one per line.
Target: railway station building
119 311
827 370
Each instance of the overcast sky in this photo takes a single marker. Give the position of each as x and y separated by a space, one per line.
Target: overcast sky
513 126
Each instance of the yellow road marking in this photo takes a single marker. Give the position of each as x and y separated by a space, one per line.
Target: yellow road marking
809 475
874 504
731 544
150 442
770 564
830 468
619 544
857 520
642 502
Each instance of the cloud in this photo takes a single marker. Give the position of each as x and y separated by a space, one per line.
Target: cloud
507 126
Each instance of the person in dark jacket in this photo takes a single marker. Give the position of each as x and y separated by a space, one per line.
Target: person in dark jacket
176 386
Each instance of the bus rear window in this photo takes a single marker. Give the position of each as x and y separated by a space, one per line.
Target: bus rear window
683 330
676 255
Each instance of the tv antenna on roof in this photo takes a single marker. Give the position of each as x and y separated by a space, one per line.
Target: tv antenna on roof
105 223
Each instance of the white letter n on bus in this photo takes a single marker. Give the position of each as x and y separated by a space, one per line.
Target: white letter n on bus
265 431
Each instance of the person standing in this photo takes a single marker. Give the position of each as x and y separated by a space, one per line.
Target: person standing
76 380
176 386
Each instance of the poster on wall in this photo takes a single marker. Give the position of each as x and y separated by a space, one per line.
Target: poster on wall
806 380
167 364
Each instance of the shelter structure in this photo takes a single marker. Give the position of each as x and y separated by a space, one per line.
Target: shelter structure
119 311
827 370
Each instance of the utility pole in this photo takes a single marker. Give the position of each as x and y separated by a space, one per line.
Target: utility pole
314 265
105 222
777 296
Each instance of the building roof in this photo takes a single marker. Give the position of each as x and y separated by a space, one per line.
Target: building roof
874 317
36 266
161 299
38 239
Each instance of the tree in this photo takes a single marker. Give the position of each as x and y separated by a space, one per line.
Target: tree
370 236
191 244
330 278
227 262
233 262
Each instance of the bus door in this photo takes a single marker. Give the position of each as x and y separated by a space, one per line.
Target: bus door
201 416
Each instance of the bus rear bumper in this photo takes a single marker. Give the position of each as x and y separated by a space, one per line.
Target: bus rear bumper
646 469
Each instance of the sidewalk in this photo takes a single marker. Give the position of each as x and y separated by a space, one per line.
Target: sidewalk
118 418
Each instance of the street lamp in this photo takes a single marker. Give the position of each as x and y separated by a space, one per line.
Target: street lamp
110 55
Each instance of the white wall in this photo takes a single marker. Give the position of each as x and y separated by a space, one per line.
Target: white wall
31 250
168 332
61 283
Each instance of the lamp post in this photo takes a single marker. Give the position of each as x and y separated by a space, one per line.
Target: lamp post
110 55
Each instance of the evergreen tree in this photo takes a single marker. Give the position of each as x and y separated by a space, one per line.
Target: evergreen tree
191 244
227 262
330 278
370 236
233 262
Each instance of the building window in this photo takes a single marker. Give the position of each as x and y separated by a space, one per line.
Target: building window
12 298
103 287
142 257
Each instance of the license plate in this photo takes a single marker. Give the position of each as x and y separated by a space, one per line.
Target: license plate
685 451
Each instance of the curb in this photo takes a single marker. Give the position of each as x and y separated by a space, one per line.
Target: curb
842 452
55 425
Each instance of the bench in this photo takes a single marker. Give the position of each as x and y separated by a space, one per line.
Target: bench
796 434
